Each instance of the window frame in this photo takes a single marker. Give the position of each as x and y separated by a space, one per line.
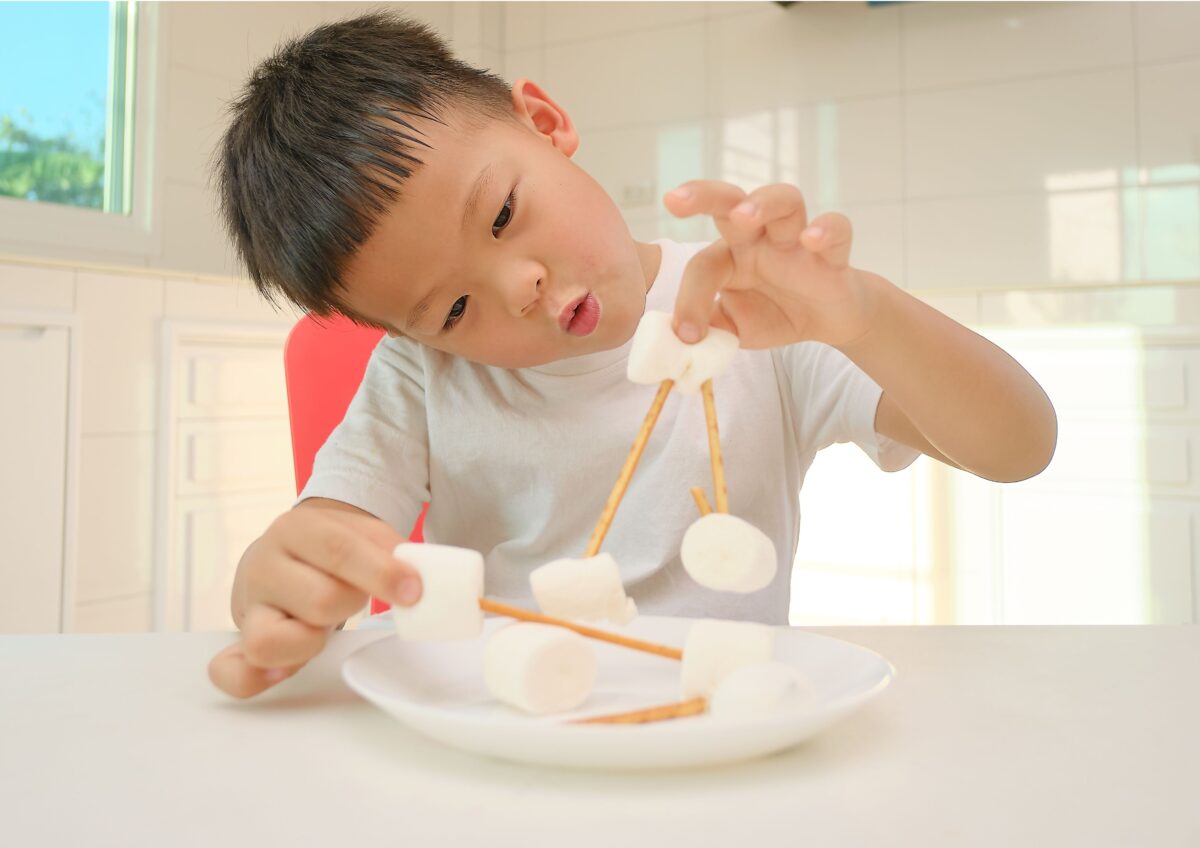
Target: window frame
30 228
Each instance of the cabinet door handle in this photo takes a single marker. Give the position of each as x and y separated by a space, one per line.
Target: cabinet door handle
23 331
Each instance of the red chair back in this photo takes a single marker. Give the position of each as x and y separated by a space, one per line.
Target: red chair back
323 364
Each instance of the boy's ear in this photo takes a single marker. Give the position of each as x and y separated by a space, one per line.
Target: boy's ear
533 107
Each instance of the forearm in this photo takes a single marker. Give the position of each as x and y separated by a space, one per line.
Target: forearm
970 400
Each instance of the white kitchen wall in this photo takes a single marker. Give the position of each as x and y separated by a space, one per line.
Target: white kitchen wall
1032 165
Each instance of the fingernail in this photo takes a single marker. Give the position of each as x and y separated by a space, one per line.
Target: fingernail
748 209
274 675
410 590
689 333
815 232
681 193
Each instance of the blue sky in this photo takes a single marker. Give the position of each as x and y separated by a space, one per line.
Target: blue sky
54 63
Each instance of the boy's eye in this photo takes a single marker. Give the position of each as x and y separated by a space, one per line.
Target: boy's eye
506 213
456 313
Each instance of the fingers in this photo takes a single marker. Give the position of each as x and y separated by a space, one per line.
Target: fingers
829 236
705 275
779 209
348 548
273 647
271 639
301 591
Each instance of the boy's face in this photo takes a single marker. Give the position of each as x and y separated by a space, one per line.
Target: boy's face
540 267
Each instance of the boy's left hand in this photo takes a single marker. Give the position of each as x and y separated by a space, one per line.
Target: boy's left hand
774 277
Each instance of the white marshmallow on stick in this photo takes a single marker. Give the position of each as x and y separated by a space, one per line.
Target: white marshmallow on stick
658 354
715 649
539 668
588 589
727 553
452 584
756 690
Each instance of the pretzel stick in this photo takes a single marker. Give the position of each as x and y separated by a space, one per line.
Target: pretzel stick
667 711
714 448
499 608
701 500
618 492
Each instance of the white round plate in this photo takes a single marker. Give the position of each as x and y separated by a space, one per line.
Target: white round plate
437 689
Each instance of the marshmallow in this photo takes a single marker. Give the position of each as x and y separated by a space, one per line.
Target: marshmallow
587 589
715 649
539 668
658 354
756 690
723 552
452 584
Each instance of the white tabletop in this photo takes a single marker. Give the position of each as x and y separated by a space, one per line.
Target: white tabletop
989 736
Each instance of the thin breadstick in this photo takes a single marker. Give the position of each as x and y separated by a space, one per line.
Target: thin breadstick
639 445
720 492
695 706
701 500
499 608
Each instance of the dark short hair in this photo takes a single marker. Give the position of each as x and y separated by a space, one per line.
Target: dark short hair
321 141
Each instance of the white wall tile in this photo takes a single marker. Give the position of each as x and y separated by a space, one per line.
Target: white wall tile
1141 306
228 39
637 165
806 52
878 244
482 57
478 23
1169 120
123 615
963 308
1171 234
1017 241
1167 30
196 120
525 63
725 8
119 345
34 287
575 21
949 44
115 556
658 78
466 23
193 238
524 25
837 152
1051 133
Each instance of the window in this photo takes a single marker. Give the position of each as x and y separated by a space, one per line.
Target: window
66 106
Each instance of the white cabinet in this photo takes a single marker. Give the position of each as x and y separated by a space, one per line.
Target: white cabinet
36 388
225 463
1107 534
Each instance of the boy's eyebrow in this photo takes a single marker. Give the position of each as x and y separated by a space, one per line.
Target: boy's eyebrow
482 182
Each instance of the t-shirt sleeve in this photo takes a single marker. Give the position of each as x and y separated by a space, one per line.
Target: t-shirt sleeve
377 458
833 400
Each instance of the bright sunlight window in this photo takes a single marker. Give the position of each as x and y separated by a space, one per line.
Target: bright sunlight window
66 103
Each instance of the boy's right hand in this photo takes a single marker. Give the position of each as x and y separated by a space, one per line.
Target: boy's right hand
313 568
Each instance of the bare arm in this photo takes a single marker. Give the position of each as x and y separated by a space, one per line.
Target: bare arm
951 393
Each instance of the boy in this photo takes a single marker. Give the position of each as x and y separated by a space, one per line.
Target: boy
367 172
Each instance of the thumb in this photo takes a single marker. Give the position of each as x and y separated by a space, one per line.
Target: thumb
705 275
232 673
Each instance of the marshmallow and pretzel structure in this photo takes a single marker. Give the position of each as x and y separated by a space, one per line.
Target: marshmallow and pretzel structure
539 668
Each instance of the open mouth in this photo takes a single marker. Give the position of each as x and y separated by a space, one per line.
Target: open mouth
582 316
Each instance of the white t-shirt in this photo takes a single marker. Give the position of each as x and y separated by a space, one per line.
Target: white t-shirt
518 464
